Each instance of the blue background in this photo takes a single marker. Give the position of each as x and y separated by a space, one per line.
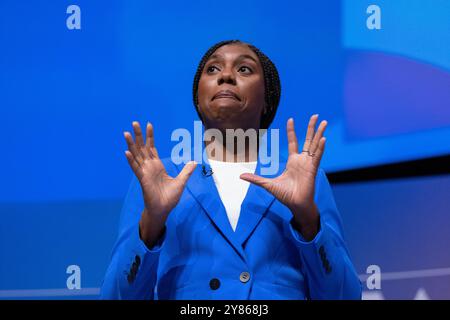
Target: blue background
66 96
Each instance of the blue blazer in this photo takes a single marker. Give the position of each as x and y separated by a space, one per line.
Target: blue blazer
199 255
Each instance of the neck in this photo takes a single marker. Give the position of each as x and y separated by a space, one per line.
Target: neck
232 152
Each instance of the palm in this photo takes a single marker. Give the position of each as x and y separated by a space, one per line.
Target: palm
160 191
295 186
296 182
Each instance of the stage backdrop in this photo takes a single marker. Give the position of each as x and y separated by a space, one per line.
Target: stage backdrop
74 74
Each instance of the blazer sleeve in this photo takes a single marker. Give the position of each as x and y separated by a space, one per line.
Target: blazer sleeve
326 262
132 271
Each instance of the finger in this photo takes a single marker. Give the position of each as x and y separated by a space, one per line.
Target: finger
292 137
187 171
150 141
150 138
255 179
132 147
319 153
139 139
138 134
317 136
133 163
310 132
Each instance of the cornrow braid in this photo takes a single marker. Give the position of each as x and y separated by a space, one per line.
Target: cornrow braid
272 85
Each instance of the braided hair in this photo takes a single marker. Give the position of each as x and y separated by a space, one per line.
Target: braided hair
272 85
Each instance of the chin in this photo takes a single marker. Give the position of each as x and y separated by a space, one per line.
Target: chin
227 114
226 106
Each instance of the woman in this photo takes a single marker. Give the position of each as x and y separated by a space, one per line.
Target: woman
234 234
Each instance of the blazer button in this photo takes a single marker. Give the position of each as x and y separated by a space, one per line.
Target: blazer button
214 284
244 277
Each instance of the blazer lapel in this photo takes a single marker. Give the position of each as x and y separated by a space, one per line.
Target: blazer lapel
254 207
204 190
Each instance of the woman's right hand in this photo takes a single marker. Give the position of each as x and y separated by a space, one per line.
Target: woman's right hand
161 192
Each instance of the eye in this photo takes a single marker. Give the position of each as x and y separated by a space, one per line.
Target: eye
211 69
245 69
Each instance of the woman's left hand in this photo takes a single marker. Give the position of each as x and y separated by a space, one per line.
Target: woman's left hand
295 186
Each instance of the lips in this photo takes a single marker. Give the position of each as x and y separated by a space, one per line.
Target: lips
226 94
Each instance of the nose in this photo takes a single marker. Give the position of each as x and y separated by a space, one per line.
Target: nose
226 76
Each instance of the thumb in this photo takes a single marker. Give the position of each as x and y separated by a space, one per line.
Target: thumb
255 179
187 171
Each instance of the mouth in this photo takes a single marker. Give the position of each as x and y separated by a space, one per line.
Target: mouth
226 94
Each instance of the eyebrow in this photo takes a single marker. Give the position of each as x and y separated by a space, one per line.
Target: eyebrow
239 59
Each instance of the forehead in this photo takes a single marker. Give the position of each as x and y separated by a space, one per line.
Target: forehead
234 51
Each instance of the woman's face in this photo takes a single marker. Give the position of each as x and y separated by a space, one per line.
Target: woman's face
231 89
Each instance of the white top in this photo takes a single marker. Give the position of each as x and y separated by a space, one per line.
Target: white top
232 189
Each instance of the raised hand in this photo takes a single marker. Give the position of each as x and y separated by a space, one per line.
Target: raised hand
160 192
295 186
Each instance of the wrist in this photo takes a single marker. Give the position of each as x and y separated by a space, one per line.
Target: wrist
151 228
307 221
